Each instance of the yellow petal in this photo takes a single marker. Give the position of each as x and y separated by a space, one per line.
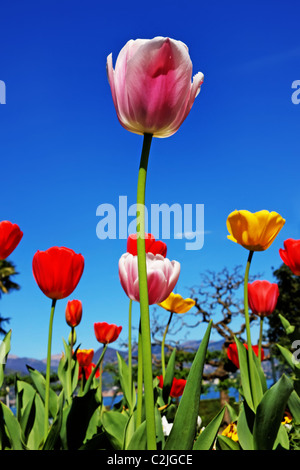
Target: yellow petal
254 231
177 304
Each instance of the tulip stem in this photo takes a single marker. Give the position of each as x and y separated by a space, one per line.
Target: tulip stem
92 375
247 322
139 405
144 301
70 365
260 337
130 347
48 369
163 363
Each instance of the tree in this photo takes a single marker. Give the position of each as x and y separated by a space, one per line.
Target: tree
288 305
219 298
7 269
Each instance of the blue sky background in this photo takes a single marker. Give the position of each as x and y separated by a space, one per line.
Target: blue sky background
63 151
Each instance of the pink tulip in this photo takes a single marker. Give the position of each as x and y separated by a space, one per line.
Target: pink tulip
151 85
162 276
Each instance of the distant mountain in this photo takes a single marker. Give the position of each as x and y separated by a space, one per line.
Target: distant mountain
17 364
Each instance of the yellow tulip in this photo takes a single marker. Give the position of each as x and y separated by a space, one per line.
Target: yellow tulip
254 231
176 304
231 432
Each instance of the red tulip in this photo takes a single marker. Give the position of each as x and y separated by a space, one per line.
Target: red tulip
290 255
232 353
84 358
106 333
262 297
57 271
152 86
73 313
177 386
10 236
156 247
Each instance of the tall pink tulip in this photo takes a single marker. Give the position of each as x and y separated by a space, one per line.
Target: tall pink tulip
152 85
162 276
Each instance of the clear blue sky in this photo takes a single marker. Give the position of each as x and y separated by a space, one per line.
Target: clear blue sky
63 151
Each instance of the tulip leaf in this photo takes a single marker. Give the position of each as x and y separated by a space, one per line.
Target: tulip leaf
114 424
139 438
294 406
245 425
54 431
252 390
182 434
78 418
40 385
244 371
129 392
226 443
261 374
168 379
4 350
12 428
282 439
269 414
207 437
288 356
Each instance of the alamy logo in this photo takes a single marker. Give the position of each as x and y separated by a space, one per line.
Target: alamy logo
2 92
296 95
187 222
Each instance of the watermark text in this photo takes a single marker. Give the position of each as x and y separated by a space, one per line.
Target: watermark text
162 221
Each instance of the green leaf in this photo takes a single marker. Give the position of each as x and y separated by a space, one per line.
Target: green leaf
261 374
244 371
269 414
77 418
282 441
294 406
40 385
250 388
139 438
114 424
288 356
54 431
168 380
130 395
207 437
184 427
4 350
12 426
245 425
226 443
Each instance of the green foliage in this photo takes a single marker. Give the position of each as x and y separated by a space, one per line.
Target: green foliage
288 305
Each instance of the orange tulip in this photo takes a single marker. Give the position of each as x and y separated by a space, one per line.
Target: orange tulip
106 333
73 313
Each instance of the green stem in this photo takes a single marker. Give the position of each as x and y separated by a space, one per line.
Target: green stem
139 405
144 302
247 323
163 362
91 377
70 366
260 337
48 369
130 346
